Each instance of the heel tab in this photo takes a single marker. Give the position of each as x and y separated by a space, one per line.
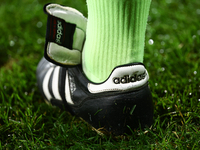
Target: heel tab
125 77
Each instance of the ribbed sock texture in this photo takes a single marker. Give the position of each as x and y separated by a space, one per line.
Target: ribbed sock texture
115 35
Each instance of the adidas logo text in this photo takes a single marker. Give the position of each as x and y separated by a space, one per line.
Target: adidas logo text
59 32
128 79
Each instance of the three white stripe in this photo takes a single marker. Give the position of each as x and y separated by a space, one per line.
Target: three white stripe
67 90
55 87
55 84
45 84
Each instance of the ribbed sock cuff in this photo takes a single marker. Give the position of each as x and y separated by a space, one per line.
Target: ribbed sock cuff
115 35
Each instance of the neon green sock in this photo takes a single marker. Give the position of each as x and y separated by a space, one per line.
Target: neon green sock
115 35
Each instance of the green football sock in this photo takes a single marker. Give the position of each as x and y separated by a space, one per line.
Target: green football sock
115 35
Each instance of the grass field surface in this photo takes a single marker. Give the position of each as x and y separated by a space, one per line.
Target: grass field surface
172 57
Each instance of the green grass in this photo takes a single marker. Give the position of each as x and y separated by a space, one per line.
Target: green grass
173 59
